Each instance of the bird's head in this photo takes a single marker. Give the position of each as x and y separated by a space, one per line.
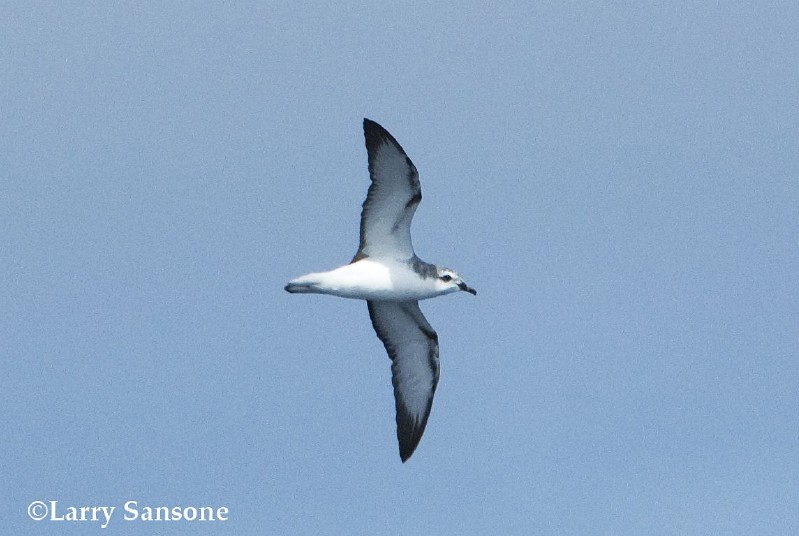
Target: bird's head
451 281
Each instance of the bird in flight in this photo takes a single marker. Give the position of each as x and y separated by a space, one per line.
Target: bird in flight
392 279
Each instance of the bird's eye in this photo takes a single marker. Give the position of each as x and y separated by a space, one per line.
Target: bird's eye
446 278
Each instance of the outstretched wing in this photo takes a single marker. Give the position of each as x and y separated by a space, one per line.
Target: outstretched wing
392 198
412 345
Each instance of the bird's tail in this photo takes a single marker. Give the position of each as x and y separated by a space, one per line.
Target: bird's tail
302 285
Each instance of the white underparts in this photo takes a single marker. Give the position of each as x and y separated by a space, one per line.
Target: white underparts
372 279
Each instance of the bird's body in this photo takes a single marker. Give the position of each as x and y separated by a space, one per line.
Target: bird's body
392 279
380 279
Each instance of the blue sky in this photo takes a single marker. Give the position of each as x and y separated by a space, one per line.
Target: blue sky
617 179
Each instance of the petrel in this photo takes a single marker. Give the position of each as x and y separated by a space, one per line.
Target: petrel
392 279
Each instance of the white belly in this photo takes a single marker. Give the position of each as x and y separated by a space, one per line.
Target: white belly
368 279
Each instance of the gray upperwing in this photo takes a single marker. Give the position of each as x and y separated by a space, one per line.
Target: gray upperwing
392 198
412 345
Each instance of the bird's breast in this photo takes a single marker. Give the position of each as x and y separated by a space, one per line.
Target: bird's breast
368 279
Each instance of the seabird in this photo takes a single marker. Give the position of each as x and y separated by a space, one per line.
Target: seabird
392 279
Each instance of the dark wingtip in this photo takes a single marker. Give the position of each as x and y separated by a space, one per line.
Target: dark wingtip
371 126
407 449
373 132
409 434
375 135
368 123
